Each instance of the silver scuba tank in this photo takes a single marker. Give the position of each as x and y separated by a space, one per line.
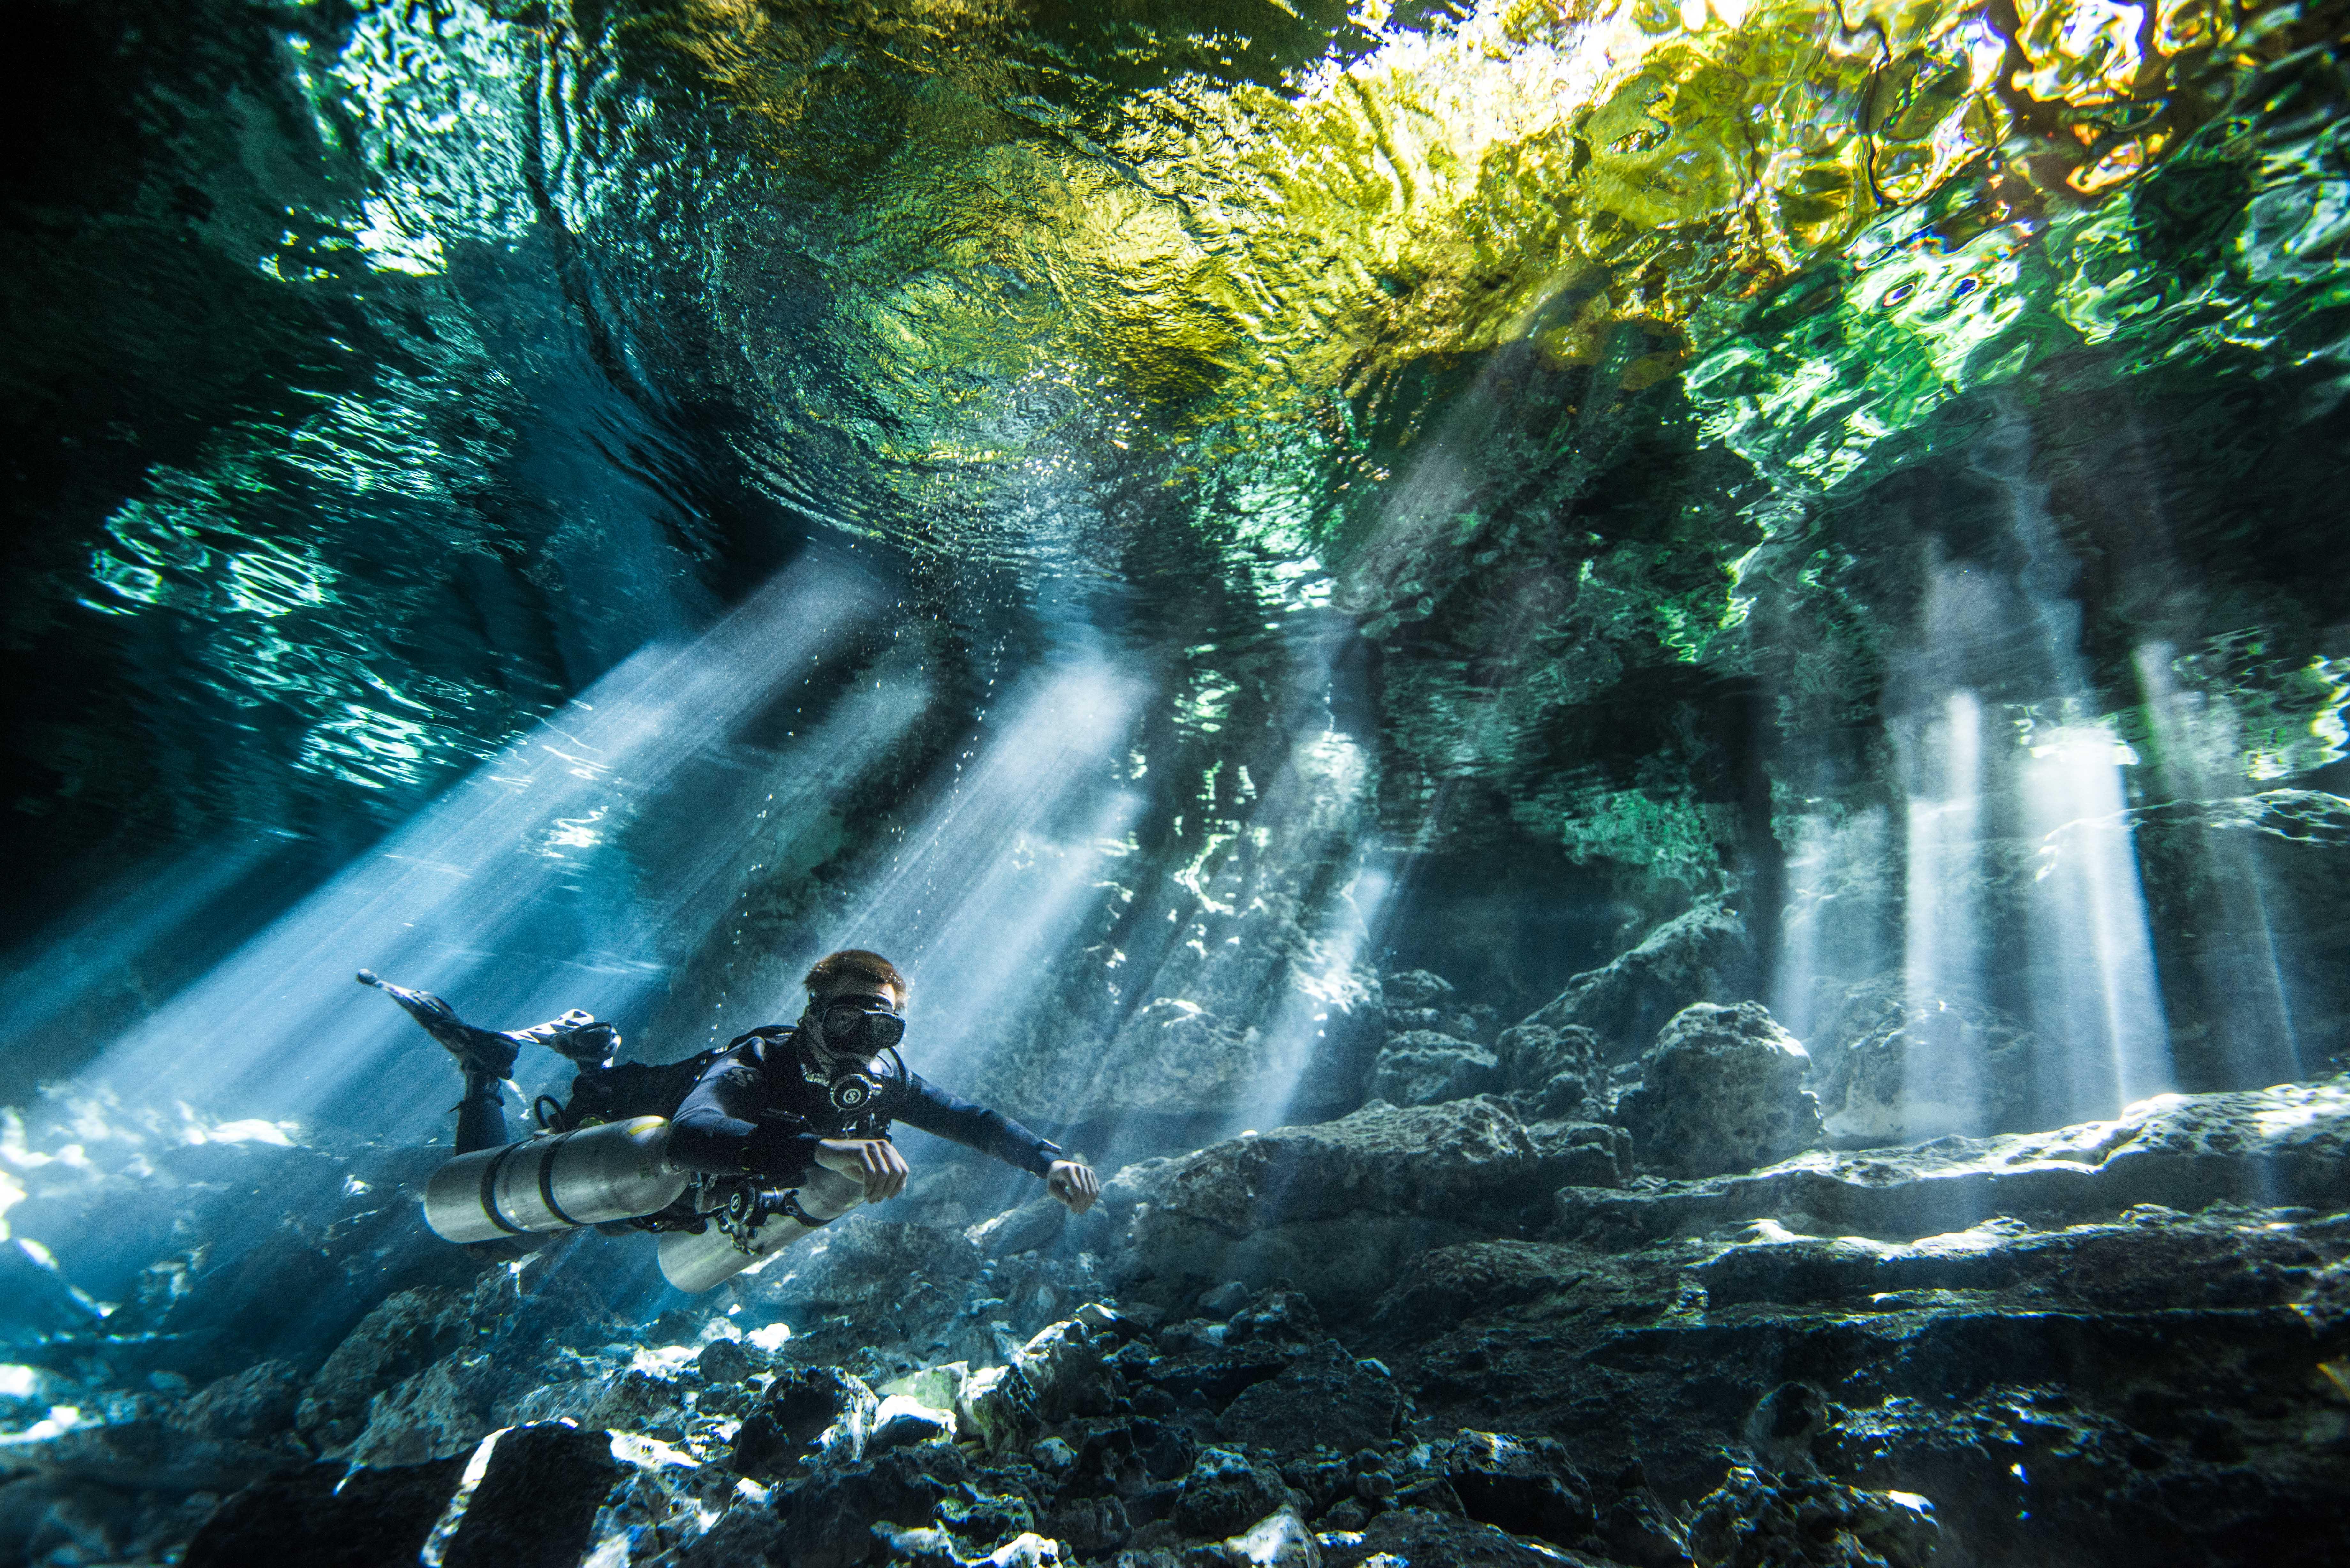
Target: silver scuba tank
695 1263
553 1182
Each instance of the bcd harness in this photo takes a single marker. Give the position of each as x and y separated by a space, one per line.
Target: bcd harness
737 1205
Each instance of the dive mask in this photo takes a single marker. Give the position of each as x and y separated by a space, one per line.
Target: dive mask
860 1025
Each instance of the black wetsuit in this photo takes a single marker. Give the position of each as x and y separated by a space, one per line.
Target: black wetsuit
758 1111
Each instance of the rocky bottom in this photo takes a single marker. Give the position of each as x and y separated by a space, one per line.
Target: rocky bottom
1440 1335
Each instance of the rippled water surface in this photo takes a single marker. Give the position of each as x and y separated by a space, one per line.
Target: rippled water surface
1670 451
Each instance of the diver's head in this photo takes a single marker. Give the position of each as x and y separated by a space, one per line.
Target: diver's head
855 1007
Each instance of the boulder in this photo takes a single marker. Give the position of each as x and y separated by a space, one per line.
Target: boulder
1325 1397
1703 955
1226 1491
1807 1521
1889 1068
537 1504
327 1515
1419 999
1277 1541
251 1406
1421 1067
1721 1091
805 1410
1555 1072
1336 1207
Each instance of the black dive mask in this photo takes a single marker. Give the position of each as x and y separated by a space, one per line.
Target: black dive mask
862 1026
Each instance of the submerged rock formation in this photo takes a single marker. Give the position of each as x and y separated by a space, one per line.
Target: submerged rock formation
1447 1334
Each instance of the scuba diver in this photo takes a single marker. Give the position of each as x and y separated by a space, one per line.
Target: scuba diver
729 1155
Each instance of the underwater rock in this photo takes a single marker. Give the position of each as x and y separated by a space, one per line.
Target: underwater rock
1421 1067
537 1504
2287 1145
1806 1522
1555 1072
1703 955
1889 1069
330 1516
1420 1535
1225 1492
1721 1091
1277 1541
256 1404
1422 999
1336 1207
1035 1223
802 1411
829 1524
1325 1397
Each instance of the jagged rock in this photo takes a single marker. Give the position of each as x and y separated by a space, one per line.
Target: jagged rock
1276 1317
747 1535
1422 1067
1336 1207
1277 1541
723 1361
1325 1396
1721 1091
254 1405
1035 1223
1805 1521
804 1410
328 1516
1420 1535
537 1504
1422 999
2288 1145
833 1512
901 1421
1091 1526
1555 1072
1582 1154
404 1335
1064 1372
638 1401
1704 955
1526 1489
1136 1458
444 1409
862 1267
1225 1492
1888 1068
41 1299
997 1407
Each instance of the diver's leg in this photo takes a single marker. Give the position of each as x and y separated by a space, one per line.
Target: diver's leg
481 1114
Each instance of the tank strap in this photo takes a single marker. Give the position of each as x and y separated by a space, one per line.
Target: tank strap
490 1192
547 1180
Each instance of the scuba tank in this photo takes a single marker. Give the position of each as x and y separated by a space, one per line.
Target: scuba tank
619 1170
754 1225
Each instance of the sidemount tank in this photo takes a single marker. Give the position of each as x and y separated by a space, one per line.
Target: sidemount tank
617 1172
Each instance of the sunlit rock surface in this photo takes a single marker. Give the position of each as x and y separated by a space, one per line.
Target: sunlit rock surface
1435 1328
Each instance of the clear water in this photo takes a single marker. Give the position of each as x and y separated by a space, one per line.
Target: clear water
1160 507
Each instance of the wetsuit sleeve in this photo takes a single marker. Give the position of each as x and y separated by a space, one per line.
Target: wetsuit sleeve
926 1106
723 1127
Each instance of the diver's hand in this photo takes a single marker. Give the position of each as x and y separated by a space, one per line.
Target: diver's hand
874 1161
1074 1184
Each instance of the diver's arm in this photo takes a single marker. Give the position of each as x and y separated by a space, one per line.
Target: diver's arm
926 1106
721 1128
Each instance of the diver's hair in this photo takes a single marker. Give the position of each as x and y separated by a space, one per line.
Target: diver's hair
859 964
